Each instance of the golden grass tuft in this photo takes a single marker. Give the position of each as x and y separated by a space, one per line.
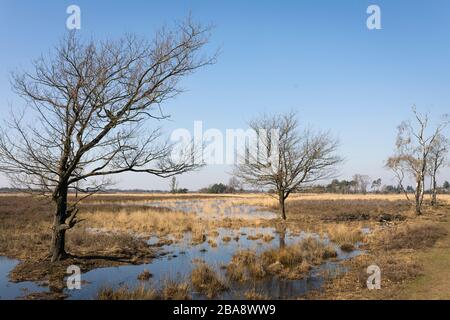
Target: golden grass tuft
255 236
212 243
144 275
245 265
344 234
198 237
173 290
254 294
291 262
123 293
268 237
206 281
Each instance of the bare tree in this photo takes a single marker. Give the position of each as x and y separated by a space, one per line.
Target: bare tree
376 185
414 146
234 185
286 160
85 120
173 185
362 182
438 158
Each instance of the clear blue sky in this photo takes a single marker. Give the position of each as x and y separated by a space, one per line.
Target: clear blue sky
317 57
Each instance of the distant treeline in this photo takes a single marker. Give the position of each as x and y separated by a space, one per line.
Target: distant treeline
336 186
355 186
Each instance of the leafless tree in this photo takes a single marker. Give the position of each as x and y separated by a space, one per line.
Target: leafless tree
234 185
376 185
285 159
414 146
362 182
173 185
85 119
438 159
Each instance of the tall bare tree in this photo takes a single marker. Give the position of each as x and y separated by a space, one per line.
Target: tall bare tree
414 145
86 116
438 159
286 159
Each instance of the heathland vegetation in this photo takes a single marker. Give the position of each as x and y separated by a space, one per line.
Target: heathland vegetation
88 104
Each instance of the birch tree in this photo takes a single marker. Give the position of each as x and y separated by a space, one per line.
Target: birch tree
414 145
438 159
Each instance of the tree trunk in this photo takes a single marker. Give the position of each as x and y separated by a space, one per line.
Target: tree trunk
419 196
57 249
434 191
282 206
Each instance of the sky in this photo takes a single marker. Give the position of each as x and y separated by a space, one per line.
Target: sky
316 57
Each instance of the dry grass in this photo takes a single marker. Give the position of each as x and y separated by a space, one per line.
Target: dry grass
347 247
206 281
170 290
123 293
25 234
397 269
349 210
24 227
268 238
213 234
244 197
140 220
212 243
345 235
291 262
144 275
395 250
147 221
245 265
173 290
254 294
255 236
415 236
310 250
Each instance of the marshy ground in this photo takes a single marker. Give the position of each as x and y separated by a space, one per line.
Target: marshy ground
194 246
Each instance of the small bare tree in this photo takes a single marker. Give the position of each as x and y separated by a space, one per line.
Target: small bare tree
234 185
87 106
414 146
376 185
438 159
286 160
173 185
362 183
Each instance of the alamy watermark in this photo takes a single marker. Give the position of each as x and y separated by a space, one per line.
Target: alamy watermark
230 147
374 279
374 20
73 281
73 21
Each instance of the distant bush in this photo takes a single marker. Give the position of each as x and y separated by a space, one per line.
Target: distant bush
218 188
